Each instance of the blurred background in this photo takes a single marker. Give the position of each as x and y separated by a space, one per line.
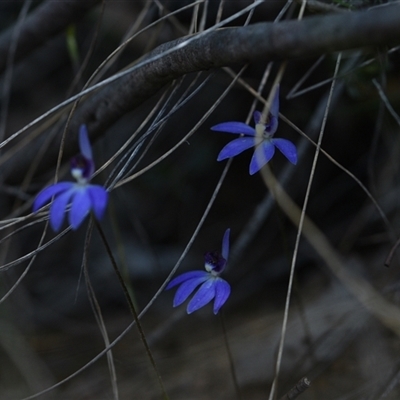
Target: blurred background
48 327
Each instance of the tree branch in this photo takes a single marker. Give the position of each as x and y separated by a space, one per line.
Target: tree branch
258 42
262 41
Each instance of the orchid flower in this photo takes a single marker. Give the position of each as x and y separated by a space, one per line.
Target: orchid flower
80 195
212 286
261 137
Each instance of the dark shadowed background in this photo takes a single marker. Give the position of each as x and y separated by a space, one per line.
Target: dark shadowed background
47 326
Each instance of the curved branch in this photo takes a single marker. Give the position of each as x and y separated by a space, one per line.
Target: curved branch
262 41
47 20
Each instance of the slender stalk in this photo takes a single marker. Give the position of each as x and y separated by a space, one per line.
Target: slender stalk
131 307
273 391
230 357
98 314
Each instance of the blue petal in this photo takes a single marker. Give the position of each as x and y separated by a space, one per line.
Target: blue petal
236 147
99 198
287 148
203 296
274 110
186 276
187 288
263 153
80 208
222 292
225 244
58 208
234 127
84 143
46 194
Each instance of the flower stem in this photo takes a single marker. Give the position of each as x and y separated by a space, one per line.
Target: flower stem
231 362
131 307
98 314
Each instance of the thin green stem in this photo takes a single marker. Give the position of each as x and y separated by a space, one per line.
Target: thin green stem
230 357
131 307
98 314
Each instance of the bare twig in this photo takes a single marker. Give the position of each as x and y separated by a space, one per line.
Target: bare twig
301 386
321 7
391 254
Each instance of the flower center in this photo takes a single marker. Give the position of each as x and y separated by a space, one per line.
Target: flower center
214 262
260 130
81 169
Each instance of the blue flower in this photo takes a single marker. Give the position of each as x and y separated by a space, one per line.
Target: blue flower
212 286
80 195
261 137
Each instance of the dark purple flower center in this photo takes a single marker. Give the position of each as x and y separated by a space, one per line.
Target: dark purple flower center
214 262
267 129
82 168
268 125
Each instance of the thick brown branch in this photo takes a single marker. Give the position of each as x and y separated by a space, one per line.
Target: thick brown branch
47 20
258 42
263 41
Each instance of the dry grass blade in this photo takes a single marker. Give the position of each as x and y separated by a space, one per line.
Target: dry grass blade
368 296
